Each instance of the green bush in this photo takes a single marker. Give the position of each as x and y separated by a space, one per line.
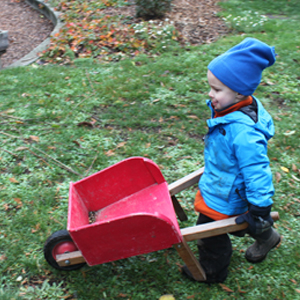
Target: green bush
149 9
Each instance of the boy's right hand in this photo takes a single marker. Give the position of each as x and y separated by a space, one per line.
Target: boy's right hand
257 224
258 218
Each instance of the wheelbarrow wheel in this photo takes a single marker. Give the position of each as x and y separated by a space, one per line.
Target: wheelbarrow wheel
58 243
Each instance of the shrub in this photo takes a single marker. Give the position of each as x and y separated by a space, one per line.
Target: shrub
150 9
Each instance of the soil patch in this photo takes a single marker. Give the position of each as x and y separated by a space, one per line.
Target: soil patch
26 27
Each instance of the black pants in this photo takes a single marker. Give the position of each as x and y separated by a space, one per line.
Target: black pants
215 252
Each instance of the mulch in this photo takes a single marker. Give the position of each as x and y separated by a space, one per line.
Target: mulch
196 20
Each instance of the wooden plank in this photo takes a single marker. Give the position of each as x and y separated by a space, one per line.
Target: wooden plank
178 209
190 260
73 258
216 228
185 182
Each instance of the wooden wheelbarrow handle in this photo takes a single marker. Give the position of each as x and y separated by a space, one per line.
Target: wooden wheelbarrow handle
216 228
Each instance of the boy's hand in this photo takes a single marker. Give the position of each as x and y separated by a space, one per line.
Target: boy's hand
258 218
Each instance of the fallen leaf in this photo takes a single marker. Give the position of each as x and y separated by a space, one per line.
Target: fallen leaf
277 176
122 144
10 111
21 148
296 178
34 138
284 169
166 297
294 168
77 143
289 132
110 153
3 257
89 124
18 200
226 288
193 117
13 180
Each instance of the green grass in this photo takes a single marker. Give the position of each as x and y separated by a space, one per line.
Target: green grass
89 115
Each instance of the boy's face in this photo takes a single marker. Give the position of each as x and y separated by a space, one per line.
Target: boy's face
220 94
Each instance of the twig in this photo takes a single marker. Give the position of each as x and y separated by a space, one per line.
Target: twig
42 158
90 81
92 86
89 169
47 155
58 162
11 136
10 117
56 221
13 154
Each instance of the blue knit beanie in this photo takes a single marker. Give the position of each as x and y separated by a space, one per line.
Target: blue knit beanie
240 68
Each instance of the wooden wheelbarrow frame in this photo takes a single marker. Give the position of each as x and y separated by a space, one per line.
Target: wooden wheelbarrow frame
189 233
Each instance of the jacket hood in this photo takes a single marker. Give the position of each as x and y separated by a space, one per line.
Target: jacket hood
264 122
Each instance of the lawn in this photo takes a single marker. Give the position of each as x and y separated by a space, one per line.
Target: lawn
62 123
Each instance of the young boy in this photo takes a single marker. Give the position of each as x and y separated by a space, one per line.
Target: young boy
237 179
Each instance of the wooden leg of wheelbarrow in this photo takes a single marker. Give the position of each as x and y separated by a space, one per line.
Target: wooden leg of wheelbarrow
178 209
190 260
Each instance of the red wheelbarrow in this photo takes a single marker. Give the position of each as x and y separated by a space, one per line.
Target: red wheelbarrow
125 210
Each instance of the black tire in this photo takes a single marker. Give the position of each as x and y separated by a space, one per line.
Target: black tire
56 239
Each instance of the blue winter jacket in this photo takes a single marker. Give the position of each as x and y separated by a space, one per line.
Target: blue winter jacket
237 170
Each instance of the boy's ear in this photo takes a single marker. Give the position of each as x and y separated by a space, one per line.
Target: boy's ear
241 97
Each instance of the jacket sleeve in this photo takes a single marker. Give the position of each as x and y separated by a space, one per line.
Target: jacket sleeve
250 148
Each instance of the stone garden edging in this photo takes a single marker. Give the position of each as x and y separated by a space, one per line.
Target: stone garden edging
50 14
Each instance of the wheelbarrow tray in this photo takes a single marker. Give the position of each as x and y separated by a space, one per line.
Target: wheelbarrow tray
133 212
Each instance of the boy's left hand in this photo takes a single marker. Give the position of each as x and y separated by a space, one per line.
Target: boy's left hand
258 218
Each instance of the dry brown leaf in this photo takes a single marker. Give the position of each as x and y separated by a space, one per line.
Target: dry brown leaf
277 176
89 124
110 153
21 148
193 117
6 206
18 200
34 138
3 257
226 288
294 168
122 144
13 180
293 281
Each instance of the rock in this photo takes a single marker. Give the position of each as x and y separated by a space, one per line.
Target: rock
3 41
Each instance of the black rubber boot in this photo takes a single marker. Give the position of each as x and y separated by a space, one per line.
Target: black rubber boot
258 251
